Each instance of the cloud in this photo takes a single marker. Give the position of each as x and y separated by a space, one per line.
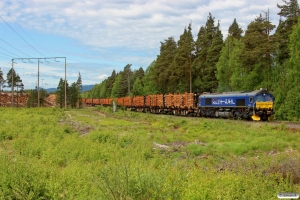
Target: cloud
129 23
99 36
103 76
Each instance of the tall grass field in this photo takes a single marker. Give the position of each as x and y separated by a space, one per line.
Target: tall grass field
94 153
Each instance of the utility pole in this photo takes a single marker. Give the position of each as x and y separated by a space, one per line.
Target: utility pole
38 85
65 82
191 73
12 83
0 88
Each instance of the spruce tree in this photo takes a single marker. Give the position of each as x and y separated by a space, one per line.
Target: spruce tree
138 74
115 92
60 93
150 86
289 14
103 89
109 83
79 88
201 51
235 31
237 78
229 64
125 84
137 89
32 99
79 82
74 93
213 54
163 65
289 99
182 65
203 44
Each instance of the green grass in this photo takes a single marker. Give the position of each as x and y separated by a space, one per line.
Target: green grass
52 153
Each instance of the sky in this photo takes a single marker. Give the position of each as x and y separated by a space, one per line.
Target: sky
95 37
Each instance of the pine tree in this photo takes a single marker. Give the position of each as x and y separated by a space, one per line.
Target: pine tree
16 78
256 52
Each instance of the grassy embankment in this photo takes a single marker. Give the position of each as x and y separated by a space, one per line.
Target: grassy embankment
50 153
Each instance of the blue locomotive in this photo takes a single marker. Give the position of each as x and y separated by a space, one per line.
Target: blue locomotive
257 105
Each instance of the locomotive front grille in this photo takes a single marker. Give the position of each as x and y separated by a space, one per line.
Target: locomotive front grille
264 105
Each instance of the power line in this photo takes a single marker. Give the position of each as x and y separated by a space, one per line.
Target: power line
10 52
25 32
4 54
4 57
14 47
21 37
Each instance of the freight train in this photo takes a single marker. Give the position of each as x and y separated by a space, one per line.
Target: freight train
255 105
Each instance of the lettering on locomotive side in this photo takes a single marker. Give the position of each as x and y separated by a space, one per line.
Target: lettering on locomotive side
223 101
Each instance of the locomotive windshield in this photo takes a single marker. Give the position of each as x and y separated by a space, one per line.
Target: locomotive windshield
264 98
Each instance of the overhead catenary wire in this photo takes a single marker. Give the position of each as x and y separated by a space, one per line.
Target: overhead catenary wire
21 37
10 52
5 54
14 47
4 57
26 32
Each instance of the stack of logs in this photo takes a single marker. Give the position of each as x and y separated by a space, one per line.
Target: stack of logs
20 100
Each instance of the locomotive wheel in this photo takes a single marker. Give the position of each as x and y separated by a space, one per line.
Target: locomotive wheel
235 116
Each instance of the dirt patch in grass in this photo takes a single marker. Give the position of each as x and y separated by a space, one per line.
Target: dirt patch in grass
99 113
176 145
82 129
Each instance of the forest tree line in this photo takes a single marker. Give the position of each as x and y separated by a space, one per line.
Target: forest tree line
262 56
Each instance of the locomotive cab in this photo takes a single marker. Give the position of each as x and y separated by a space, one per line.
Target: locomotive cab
263 106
